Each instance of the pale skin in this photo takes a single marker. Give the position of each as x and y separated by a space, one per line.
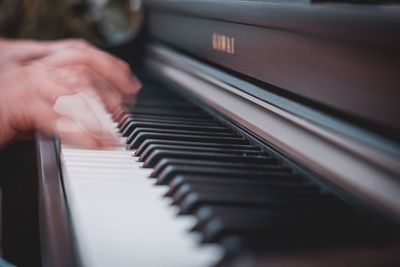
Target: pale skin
33 75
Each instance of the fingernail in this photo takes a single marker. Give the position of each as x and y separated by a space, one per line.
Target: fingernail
137 84
108 140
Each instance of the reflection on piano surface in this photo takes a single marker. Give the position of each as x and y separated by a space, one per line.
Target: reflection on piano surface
217 170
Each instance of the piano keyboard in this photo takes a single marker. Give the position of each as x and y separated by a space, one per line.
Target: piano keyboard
184 189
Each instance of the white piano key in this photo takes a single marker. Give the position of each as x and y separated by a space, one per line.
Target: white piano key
120 217
112 151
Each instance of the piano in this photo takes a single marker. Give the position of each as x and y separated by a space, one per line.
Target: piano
266 134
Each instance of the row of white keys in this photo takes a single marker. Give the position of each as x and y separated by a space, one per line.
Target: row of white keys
120 217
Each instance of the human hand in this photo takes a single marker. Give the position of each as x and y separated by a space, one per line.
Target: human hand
28 95
70 52
38 73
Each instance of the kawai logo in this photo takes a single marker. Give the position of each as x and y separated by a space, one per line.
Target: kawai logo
223 43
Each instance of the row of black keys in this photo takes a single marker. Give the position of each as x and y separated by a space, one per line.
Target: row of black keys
236 190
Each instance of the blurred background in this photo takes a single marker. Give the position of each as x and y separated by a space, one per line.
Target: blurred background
103 22
114 25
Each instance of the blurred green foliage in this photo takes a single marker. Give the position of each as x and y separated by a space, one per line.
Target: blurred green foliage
97 21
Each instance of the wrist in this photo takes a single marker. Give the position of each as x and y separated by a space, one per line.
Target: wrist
7 133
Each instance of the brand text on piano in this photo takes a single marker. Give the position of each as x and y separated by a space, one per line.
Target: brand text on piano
223 43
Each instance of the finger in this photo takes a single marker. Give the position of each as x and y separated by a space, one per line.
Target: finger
70 133
50 92
81 78
110 96
89 114
51 123
45 87
112 69
38 115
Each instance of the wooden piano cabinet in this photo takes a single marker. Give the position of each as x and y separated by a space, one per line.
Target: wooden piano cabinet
19 218
56 240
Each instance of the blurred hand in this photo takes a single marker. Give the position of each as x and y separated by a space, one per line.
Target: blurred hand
70 52
38 76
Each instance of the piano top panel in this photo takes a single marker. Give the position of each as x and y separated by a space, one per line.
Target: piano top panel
375 26
338 58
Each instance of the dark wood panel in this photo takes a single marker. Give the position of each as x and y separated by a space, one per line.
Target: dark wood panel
375 26
360 82
55 233
19 216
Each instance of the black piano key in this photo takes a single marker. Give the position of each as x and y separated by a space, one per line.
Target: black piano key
207 213
306 230
170 100
253 163
147 143
119 113
264 217
138 131
199 123
245 189
124 120
156 152
152 148
123 126
265 226
286 226
195 200
173 126
170 172
174 119
154 158
167 108
172 103
178 181
168 112
202 138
